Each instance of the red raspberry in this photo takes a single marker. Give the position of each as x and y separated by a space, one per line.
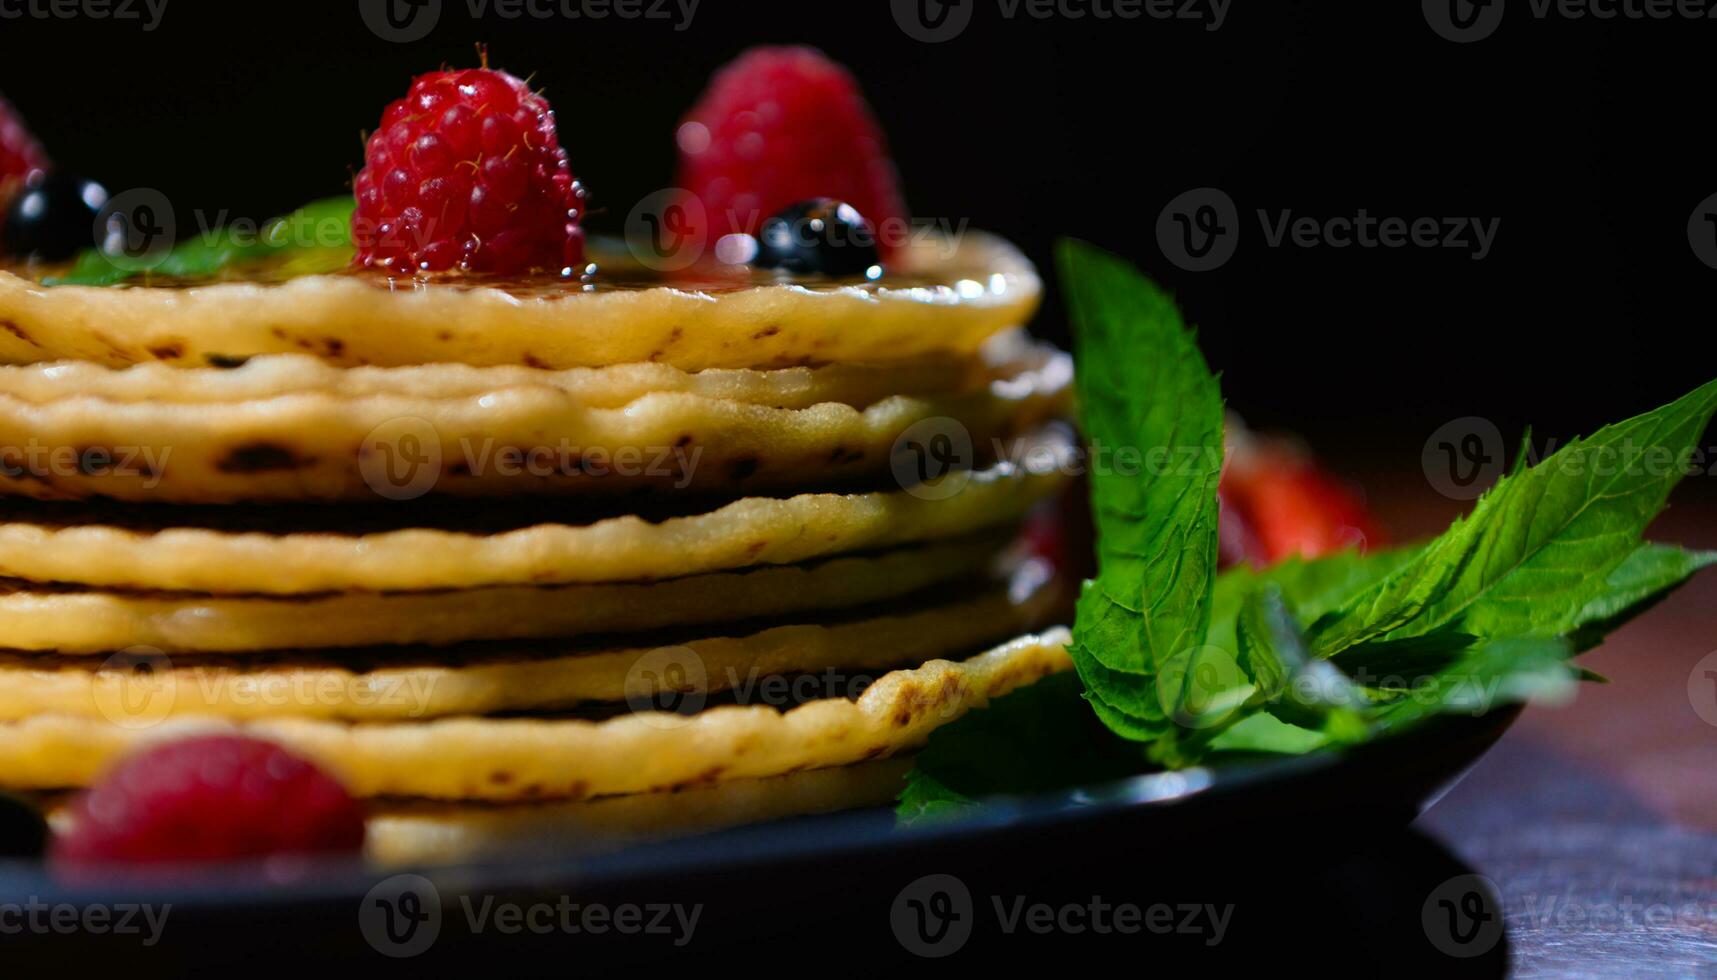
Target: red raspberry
20 154
21 157
466 171
782 125
1291 506
211 797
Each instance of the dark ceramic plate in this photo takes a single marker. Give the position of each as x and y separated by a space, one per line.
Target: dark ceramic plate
793 887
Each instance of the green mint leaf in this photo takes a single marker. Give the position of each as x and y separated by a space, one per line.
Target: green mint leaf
1641 581
1153 414
926 800
1288 682
1036 739
313 239
1312 587
1382 664
1541 545
1263 733
1490 675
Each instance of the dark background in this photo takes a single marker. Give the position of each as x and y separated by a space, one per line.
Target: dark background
1587 138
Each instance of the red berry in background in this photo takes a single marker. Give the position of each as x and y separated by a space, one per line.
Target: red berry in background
1282 504
21 157
466 172
1237 543
20 154
209 798
779 126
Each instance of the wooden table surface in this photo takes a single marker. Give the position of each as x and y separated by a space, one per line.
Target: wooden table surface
1596 821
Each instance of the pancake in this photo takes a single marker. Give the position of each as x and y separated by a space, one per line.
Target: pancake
278 375
952 294
250 552
140 689
423 833
74 621
426 833
508 759
323 445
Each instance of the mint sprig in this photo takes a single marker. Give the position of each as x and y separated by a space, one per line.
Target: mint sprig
1539 547
1338 650
1154 500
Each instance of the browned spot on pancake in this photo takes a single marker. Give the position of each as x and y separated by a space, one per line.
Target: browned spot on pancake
842 454
873 753
532 791
103 461
278 332
95 461
444 335
578 790
112 348
225 361
683 441
532 361
743 469
655 355
172 350
952 689
261 457
500 777
459 468
334 346
768 331
754 547
903 717
17 331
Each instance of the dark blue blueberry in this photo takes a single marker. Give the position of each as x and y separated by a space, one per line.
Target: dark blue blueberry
822 236
54 218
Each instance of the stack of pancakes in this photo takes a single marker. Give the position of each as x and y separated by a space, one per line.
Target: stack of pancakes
544 561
